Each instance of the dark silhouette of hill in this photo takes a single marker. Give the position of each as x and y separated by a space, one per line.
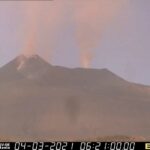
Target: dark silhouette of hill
41 101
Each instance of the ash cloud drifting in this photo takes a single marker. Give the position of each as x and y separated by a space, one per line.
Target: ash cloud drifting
44 20
31 19
91 19
41 23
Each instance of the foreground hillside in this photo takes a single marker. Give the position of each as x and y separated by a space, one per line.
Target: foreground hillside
38 100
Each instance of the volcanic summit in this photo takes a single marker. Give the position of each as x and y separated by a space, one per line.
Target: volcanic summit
41 101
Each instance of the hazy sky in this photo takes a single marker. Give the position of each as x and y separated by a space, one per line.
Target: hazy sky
123 45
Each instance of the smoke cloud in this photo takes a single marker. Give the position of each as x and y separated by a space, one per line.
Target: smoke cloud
86 56
44 21
92 18
31 20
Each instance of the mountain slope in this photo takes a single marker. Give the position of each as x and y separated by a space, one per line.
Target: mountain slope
42 101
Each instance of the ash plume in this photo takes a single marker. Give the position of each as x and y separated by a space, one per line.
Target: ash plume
45 20
42 22
91 19
31 12
86 57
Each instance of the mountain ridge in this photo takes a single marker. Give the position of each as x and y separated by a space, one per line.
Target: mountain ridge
16 64
22 62
40 100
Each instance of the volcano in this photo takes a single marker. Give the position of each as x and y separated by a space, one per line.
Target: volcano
40 101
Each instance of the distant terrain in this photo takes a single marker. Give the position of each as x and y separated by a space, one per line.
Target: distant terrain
39 101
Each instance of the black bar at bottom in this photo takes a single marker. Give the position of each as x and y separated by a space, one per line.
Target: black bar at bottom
75 145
